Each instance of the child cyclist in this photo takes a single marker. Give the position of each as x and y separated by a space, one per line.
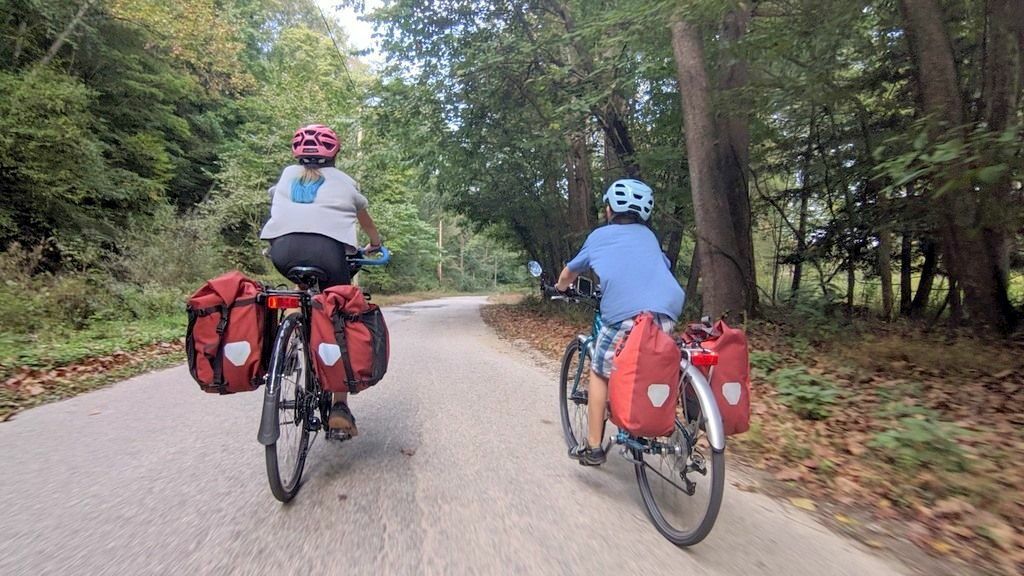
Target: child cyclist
635 277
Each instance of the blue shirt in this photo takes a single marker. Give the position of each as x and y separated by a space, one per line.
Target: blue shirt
634 273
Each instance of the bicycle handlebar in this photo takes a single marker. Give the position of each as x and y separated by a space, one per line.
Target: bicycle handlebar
360 258
570 295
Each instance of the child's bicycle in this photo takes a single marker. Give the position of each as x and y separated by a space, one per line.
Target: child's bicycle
681 477
295 406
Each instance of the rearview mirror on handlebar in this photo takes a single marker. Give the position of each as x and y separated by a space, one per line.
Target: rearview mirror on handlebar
535 268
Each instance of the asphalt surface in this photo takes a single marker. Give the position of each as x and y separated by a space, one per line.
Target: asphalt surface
460 468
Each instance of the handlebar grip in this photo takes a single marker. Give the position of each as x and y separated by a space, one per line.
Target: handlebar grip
362 260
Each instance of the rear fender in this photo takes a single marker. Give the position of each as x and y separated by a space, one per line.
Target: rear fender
713 417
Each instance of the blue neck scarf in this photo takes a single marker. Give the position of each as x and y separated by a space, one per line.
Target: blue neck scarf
305 193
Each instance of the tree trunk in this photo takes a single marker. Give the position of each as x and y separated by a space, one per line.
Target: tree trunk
851 281
612 166
974 221
19 43
956 308
440 251
733 129
582 218
884 260
62 38
694 277
719 255
673 243
924 286
906 273
801 227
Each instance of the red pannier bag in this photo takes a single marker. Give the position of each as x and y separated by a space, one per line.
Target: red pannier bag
730 378
349 340
644 384
226 328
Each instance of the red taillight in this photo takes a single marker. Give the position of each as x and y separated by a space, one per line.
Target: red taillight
703 358
282 302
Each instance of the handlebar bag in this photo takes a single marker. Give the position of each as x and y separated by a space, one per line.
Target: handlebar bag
644 384
349 340
226 332
730 378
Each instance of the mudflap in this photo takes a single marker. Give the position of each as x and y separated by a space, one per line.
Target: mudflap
269 431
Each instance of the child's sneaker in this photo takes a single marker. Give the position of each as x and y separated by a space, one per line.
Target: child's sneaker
588 456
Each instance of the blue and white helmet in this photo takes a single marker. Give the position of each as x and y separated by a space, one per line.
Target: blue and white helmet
630 195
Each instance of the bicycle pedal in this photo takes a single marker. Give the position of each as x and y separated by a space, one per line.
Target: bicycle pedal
338 435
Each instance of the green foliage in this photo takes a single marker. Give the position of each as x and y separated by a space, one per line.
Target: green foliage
919 440
810 396
765 361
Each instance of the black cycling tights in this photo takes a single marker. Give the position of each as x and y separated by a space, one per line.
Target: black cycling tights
301 249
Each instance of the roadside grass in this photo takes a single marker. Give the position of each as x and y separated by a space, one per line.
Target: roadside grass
60 346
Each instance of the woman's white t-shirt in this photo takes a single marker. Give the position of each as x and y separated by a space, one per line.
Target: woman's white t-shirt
332 212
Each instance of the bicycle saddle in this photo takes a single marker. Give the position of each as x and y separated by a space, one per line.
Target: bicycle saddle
307 275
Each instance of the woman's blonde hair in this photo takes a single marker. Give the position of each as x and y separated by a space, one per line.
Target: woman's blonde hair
309 175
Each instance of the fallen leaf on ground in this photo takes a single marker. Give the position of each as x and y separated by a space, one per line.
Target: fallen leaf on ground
804 503
789 474
941 547
843 519
952 507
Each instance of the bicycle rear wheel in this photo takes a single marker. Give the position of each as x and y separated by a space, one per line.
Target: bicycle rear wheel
291 384
682 517
572 393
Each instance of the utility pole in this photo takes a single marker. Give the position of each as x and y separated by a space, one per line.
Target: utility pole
440 251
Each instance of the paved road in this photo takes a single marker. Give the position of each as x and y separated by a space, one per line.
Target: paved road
151 476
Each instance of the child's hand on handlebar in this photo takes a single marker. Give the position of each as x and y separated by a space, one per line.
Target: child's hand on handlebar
371 249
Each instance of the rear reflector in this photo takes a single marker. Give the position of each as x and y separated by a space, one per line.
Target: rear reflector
282 302
703 358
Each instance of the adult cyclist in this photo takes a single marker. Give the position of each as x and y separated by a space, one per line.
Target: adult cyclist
313 214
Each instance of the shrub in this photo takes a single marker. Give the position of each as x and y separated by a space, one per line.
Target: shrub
918 439
765 361
808 395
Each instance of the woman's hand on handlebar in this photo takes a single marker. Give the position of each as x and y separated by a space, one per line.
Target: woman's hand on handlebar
371 249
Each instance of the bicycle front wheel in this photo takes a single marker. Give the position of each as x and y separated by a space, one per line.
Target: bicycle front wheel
683 491
291 384
572 393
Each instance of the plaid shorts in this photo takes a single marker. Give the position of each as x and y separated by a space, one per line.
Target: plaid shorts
609 337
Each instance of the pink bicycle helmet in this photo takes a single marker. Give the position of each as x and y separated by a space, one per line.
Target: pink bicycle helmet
315 141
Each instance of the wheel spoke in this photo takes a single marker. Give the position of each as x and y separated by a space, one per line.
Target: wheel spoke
285 458
682 495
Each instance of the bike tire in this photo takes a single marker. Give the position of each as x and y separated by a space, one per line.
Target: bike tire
285 487
689 536
573 412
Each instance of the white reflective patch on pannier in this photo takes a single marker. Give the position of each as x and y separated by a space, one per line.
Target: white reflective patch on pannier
732 392
329 353
237 352
658 393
